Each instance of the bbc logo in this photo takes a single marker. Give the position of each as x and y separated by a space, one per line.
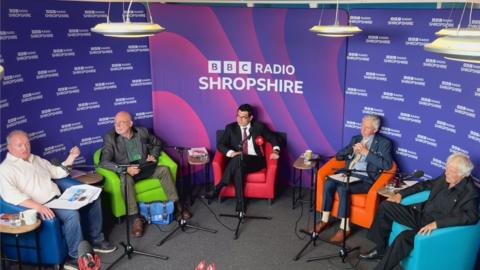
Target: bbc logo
230 67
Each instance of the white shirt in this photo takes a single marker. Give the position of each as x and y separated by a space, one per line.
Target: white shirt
21 180
251 147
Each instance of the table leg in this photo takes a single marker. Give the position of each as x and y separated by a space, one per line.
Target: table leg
293 189
17 246
311 189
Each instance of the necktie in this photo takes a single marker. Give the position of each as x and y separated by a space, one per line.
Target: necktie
245 142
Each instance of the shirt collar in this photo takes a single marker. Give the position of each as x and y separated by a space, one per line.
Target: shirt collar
15 159
247 126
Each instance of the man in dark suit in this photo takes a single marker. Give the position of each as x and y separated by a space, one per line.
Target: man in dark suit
128 144
366 155
453 201
241 139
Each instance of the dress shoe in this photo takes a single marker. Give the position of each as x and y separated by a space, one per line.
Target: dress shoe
239 207
371 255
319 227
186 214
137 227
338 237
211 195
182 212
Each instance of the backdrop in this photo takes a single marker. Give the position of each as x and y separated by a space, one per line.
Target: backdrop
212 59
430 105
63 84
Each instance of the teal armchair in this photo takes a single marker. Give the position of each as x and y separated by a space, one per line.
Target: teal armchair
147 190
445 248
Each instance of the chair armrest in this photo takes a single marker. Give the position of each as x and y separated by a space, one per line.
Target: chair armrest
271 164
218 164
415 198
383 179
165 160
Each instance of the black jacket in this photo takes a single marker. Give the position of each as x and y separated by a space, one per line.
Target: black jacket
462 210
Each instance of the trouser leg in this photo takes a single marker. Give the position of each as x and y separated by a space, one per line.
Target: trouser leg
72 229
329 189
388 212
400 249
131 200
162 173
93 212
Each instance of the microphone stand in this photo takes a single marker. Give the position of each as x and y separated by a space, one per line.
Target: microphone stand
128 248
241 215
344 250
182 223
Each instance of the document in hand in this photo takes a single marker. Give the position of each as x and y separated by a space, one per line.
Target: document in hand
75 197
341 177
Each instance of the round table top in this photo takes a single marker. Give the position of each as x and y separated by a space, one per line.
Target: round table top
301 165
383 191
89 178
20 229
198 160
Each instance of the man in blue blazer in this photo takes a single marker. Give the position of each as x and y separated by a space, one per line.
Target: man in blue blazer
366 156
241 142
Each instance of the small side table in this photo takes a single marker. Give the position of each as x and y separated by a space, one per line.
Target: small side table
90 178
18 232
384 192
199 161
300 165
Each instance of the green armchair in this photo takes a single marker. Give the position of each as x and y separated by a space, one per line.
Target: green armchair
147 190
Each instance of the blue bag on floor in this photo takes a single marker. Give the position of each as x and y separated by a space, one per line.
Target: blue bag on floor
157 212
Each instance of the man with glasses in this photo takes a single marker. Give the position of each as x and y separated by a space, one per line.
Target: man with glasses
129 144
243 138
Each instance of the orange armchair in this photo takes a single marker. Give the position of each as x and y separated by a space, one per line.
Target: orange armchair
363 206
259 184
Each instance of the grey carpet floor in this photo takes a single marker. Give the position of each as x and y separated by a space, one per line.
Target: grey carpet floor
262 244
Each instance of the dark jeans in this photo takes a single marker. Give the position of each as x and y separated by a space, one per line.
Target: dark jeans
329 194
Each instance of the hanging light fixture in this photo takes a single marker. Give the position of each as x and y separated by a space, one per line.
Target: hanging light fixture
335 30
128 29
458 44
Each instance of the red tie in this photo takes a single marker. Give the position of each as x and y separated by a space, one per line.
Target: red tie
245 142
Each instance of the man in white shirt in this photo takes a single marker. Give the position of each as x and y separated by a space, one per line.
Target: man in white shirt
26 180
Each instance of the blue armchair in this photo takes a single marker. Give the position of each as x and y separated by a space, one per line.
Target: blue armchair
53 248
445 248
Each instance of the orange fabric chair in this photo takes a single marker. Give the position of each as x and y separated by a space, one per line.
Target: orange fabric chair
363 206
259 184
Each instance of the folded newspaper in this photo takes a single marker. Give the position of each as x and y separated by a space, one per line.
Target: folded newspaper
341 177
75 197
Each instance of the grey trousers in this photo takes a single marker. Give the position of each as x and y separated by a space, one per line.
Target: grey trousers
162 173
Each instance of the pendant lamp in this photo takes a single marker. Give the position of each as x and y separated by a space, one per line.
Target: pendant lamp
458 44
128 29
335 30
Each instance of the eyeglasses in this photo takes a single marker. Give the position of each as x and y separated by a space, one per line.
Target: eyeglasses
123 123
243 117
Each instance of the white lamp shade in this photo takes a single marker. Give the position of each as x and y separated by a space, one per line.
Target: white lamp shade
335 30
127 29
465 49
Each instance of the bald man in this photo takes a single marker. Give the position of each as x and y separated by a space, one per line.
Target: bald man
128 144
26 180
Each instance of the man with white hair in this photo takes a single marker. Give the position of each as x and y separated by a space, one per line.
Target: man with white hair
453 201
26 180
366 156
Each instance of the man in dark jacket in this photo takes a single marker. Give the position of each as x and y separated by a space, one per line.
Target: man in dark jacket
453 201
134 145
243 137
366 156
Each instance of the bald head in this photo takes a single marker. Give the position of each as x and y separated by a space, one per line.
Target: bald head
123 124
18 144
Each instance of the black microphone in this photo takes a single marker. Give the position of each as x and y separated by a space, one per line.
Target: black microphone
87 260
415 174
58 163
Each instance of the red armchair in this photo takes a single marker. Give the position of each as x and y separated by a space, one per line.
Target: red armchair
259 184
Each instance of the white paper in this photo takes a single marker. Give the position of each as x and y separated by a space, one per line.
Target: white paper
75 197
341 177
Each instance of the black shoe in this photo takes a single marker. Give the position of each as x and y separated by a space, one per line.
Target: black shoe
104 247
371 255
239 207
71 264
211 195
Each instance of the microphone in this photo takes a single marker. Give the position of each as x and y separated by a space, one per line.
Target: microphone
415 174
58 163
87 259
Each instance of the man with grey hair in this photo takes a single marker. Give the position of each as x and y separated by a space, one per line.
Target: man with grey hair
453 201
366 155
26 180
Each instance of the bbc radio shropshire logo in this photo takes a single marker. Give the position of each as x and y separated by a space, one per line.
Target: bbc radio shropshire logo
246 76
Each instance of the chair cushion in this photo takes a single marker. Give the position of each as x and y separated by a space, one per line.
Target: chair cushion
257 177
358 200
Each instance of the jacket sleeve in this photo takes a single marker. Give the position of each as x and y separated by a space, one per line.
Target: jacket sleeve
108 152
418 187
382 158
344 153
155 145
223 144
269 135
467 215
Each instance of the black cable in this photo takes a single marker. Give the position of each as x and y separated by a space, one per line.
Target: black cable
215 215
298 220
